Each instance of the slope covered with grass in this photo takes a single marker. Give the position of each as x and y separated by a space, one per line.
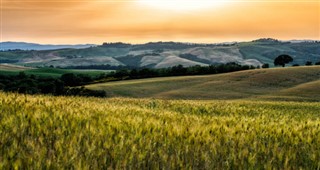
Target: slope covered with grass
295 83
47 72
11 67
43 132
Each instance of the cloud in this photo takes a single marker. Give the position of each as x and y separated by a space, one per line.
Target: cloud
98 21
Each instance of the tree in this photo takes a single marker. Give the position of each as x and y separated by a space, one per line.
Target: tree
282 60
265 65
309 63
70 79
22 75
47 87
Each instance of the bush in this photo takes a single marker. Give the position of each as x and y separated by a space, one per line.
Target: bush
70 79
308 63
2 86
75 91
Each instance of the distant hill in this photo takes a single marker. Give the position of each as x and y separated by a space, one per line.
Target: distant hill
292 84
33 46
167 54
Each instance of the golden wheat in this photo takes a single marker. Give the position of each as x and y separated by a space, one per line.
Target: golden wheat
44 132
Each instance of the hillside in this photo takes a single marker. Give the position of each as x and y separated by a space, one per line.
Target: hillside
294 83
166 54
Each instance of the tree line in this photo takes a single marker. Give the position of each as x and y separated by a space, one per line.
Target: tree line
31 84
178 70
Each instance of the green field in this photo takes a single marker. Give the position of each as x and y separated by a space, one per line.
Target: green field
54 72
43 132
294 83
46 72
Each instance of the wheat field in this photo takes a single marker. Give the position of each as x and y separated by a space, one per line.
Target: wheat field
45 132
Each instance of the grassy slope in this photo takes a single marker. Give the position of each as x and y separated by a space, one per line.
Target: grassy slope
295 83
58 72
43 132
11 67
47 72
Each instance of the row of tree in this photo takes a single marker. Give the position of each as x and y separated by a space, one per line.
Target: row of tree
31 84
178 70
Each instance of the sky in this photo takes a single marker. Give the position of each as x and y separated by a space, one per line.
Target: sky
140 21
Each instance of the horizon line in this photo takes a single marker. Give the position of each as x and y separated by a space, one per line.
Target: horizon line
183 42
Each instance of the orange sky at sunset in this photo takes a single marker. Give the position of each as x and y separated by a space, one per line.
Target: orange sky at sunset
139 21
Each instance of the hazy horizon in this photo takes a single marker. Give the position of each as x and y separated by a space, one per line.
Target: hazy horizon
141 21
156 42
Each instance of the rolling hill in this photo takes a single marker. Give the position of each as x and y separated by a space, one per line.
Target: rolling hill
166 54
295 83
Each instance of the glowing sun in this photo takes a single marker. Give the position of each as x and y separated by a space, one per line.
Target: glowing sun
183 5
